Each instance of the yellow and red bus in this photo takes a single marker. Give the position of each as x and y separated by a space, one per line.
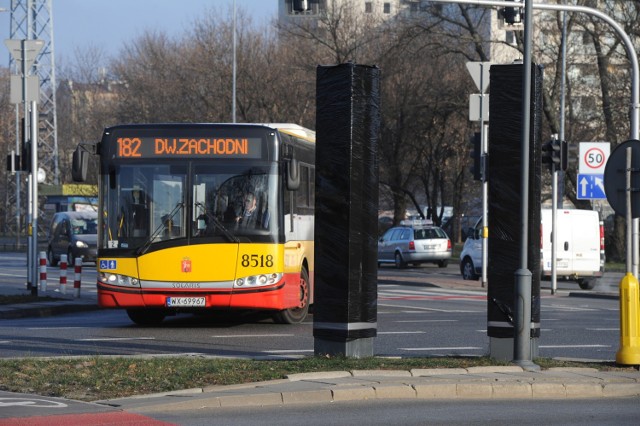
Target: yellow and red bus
205 217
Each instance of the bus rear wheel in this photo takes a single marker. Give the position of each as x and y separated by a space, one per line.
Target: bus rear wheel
146 317
299 313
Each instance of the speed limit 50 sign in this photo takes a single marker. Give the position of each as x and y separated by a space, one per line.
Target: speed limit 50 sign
593 157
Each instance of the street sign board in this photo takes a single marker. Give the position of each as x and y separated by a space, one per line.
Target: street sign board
478 107
31 48
590 187
593 157
33 89
480 74
616 179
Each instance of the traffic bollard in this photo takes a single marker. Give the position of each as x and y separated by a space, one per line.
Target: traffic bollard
43 271
629 352
78 277
63 274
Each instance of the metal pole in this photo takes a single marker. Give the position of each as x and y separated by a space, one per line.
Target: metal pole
26 131
233 100
563 80
554 233
522 305
34 183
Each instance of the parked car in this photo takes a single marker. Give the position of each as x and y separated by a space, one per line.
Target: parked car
471 254
74 234
580 254
414 243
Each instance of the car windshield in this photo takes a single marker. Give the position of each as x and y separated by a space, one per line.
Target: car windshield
84 226
428 233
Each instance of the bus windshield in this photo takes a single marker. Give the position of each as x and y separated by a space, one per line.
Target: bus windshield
198 201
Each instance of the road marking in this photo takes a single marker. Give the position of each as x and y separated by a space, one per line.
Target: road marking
54 328
113 339
234 336
572 346
33 402
603 329
448 311
460 348
401 332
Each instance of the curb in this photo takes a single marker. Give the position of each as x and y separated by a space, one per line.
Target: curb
488 383
44 309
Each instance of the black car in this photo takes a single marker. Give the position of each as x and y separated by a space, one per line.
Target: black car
74 234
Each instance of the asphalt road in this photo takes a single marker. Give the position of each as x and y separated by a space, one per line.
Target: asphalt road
424 311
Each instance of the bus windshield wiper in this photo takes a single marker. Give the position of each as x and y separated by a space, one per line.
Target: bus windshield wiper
163 225
225 231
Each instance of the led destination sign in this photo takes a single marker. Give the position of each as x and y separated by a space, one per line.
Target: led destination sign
153 147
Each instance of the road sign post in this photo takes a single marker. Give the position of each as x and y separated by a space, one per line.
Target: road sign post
25 53
479 111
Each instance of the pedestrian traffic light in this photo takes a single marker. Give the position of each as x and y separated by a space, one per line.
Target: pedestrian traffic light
552 153
512 15
476 154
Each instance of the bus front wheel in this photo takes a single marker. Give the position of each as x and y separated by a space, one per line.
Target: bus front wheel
146 317
299 313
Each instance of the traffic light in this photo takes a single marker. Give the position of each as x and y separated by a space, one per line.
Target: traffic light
552 153
569 155
300 5
476 154
512 15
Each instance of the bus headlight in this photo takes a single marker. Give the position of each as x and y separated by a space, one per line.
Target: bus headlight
81 244
258 280
119 280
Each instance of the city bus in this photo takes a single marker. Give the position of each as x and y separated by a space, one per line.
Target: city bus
201 217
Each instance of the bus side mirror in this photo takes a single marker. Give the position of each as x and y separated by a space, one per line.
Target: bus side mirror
293 174
79 165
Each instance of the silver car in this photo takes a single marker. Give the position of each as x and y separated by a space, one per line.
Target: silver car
414 245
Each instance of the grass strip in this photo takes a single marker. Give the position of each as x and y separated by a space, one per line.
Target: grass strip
97 378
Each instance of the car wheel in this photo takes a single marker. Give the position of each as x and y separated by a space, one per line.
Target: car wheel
467 270
399 261
587 283
442 264
50 258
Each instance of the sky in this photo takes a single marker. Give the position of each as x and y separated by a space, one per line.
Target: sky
108 24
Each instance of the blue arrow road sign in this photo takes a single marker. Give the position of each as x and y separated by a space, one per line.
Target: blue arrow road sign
590 187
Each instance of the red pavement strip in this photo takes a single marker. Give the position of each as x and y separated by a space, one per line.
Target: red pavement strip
98 419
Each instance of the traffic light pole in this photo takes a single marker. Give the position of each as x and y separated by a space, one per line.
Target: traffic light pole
485 202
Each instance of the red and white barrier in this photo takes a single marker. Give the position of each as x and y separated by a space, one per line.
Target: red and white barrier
63 274
77 280
43 271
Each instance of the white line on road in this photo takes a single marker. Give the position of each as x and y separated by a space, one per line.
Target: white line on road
232 336
460 348
572 346
448 311
113 339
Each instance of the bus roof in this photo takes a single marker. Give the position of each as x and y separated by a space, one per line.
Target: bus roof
294 130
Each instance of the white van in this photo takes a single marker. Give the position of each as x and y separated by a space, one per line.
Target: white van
580 250
579 255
